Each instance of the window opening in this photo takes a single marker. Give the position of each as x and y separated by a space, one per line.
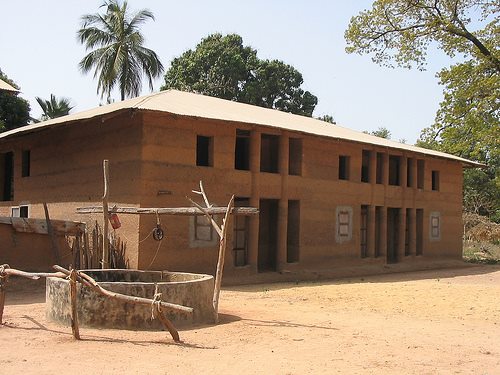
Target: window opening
409 172
365 166
295 156
343 167
435 180
420 173
394 170
269 153
242 150
7 176
204 151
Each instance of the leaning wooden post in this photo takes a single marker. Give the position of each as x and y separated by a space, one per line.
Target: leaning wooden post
158 314
74 313
105 242
50 232
3 281
220 262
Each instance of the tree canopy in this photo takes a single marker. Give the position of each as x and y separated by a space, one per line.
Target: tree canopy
54 107
223 67
14 110
399 33
118 55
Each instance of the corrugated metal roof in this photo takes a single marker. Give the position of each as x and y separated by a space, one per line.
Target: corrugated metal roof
196 105
6 87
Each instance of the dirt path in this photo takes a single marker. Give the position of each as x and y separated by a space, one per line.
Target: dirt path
445 322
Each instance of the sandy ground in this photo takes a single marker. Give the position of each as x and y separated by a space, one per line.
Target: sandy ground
430 322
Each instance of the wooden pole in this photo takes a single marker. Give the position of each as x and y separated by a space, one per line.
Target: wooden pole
220 262
52 236
105 248
158 314
3 281
74 312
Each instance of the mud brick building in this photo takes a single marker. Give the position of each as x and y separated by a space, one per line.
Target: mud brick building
329 197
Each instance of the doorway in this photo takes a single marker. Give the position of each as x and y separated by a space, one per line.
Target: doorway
392 234
268 235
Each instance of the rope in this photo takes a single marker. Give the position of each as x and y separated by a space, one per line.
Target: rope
156 254
156 305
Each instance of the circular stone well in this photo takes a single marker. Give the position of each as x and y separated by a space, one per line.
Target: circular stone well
96 310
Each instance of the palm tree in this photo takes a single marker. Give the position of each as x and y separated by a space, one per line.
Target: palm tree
54 107
118 54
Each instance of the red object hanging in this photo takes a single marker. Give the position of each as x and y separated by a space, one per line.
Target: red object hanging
115 221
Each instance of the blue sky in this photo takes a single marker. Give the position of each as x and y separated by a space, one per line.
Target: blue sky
40 53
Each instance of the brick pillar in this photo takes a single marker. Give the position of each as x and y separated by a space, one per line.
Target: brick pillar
283 203
371 232
414 172
401 233
253 237
385 169
403 167
412 231
383 232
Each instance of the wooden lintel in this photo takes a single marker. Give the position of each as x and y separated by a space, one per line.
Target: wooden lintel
28 225
186 211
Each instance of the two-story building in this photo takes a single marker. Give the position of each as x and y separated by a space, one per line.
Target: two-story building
329 197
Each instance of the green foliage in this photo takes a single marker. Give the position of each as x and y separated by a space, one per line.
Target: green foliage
327 118
223 67
381 132
14 111
54 107
117 55
398 32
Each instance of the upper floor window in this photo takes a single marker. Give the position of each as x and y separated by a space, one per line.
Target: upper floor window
295 156
365 166
242 150
343 167
435 180
420 173
394 170
269 153
204 151
7 176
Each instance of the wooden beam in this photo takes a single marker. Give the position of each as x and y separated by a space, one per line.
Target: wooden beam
25 225
179 211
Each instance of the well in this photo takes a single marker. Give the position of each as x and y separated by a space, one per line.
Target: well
95 310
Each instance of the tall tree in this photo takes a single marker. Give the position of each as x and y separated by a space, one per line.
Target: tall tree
118 55
14 110
223 67
399 32
55 107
